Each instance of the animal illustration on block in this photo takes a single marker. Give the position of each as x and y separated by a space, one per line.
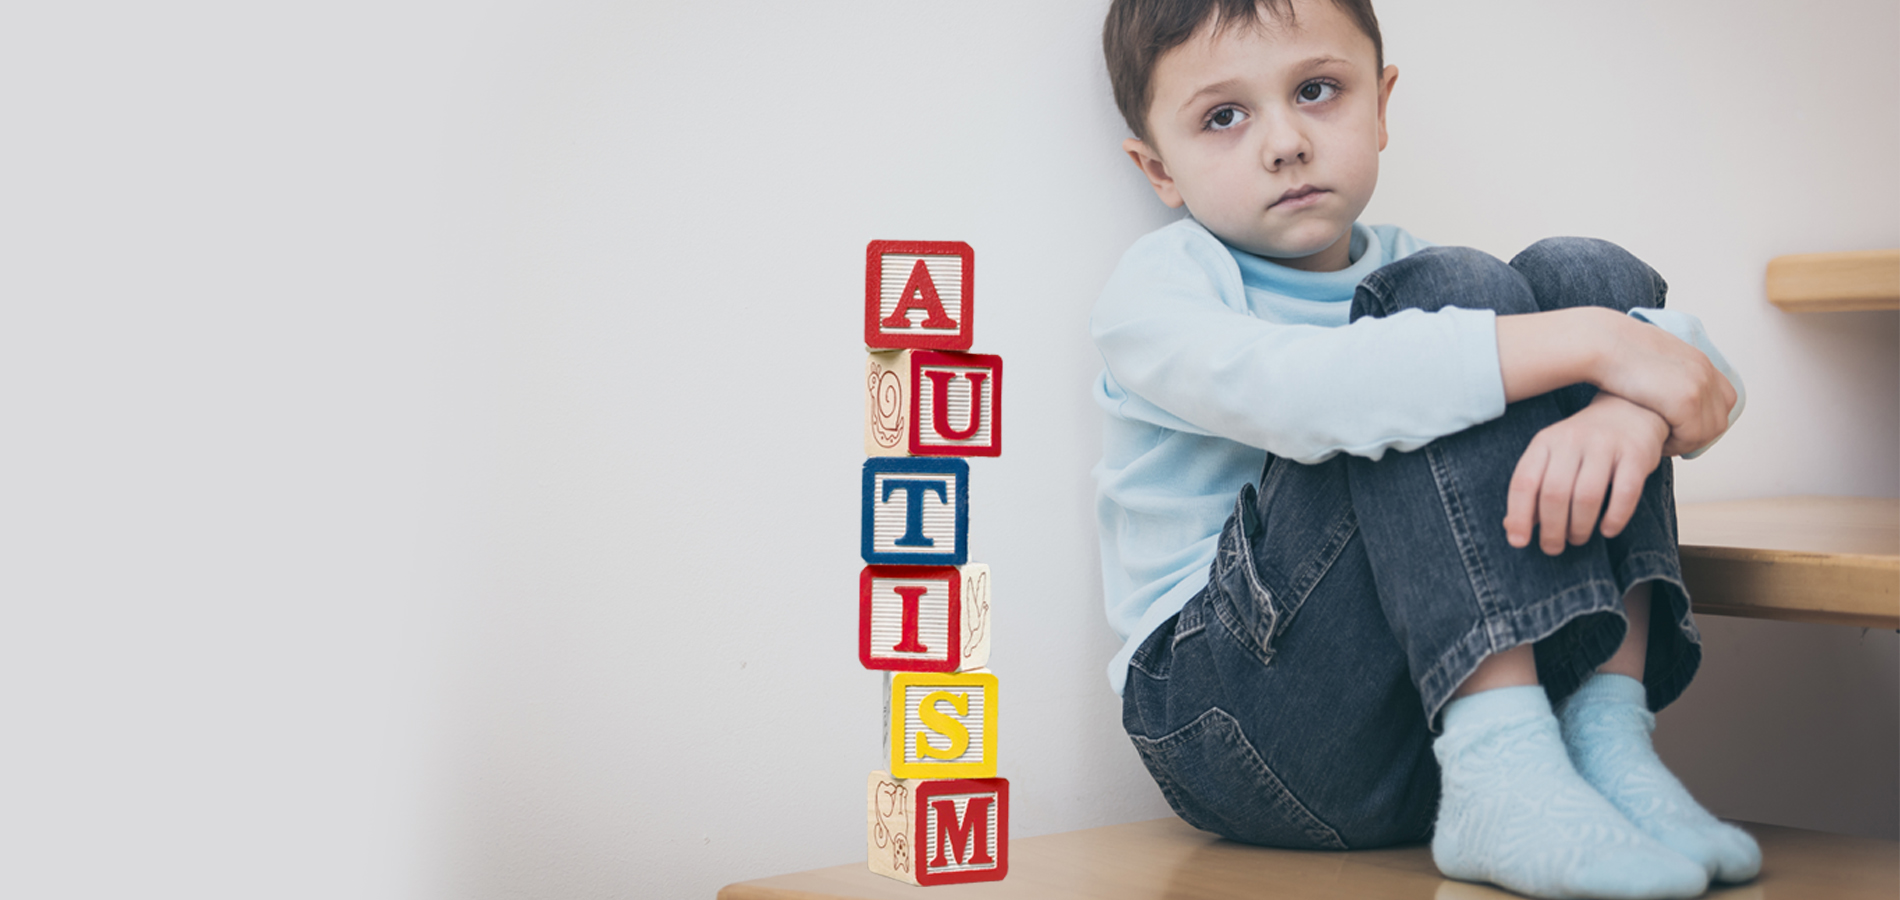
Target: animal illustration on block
889 824
916 512
958 829
976 616
942 725
910 618
919 294
931 403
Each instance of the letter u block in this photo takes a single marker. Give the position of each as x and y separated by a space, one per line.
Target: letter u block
916 512
929 832
925 403
924 618
919 294
942 725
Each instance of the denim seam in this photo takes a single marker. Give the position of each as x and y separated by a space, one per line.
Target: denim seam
1490 610
1525 625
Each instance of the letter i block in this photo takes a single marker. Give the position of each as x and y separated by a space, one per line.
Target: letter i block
942 725
924 618
925 403
916 512
919 294
938 832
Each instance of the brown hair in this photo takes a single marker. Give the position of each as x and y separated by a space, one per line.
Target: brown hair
1138 32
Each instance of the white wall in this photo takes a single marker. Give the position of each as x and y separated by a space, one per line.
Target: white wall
432 428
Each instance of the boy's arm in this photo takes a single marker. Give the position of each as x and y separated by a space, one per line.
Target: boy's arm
1559 485
1632 359
1183 351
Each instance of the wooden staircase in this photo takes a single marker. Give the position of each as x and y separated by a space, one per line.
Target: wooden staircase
1834 560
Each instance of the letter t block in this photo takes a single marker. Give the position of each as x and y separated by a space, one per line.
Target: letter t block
916 511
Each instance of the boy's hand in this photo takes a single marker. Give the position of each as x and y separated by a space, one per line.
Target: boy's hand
1560 480
1659 372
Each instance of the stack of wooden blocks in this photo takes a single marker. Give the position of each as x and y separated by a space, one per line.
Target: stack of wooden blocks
939 815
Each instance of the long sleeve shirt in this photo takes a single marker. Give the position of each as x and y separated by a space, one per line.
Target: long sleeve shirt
1214 358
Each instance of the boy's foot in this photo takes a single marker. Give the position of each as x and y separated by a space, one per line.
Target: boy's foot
1516 813
1606 726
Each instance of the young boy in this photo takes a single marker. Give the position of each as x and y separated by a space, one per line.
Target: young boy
1396 422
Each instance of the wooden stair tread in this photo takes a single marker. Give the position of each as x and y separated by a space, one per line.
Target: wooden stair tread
1835 282
1166 858
1810 559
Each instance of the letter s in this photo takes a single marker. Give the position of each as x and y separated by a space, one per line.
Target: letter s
943 724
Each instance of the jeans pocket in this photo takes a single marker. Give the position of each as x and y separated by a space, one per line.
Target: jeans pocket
1216 781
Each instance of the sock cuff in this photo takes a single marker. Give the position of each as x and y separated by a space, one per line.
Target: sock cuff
1606 688
1498 706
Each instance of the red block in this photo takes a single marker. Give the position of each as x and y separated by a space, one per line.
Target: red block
919 294
939 831
924 618
928 403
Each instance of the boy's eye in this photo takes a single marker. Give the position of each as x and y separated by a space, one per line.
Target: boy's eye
1317 91
1224 118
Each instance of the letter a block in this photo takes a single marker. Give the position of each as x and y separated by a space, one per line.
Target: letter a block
924 618
942 725
919 294
916 512
930 832
925 403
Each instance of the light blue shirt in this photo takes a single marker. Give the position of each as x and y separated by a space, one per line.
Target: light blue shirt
1214 357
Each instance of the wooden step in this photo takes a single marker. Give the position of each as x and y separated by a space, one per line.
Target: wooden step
1165 858
1835 282
1806 559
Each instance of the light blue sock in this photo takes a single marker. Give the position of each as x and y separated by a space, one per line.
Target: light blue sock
1516 813
1606 726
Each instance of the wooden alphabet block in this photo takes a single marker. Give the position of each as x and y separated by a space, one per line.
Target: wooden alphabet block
930 832
942 725
919 294
916 512
927 403
924 618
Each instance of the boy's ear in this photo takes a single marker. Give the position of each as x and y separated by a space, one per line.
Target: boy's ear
1387 79
1156 171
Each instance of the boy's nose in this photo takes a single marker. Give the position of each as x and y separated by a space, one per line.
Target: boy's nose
1286 146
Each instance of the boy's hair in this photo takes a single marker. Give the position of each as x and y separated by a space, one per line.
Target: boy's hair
1138 32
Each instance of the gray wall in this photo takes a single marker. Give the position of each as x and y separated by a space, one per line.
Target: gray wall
433 436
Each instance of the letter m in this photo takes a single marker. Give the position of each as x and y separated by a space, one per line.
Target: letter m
968 840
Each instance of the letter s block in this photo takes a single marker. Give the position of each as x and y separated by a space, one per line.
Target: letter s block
916 512
919 294
924 618
930 832
942 725
925 403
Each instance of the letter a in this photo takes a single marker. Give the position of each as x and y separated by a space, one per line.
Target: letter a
920 292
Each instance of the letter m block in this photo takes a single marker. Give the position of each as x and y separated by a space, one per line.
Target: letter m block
919 294
942 725
930 832
924 618
916 512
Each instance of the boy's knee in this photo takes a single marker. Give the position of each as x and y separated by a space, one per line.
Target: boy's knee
1574 271
1438 277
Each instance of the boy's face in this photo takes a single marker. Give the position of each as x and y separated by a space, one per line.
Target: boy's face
1271 134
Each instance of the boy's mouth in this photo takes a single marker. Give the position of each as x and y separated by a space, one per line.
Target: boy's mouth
1304 195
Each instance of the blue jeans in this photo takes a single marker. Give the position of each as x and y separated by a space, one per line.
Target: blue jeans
1292 702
